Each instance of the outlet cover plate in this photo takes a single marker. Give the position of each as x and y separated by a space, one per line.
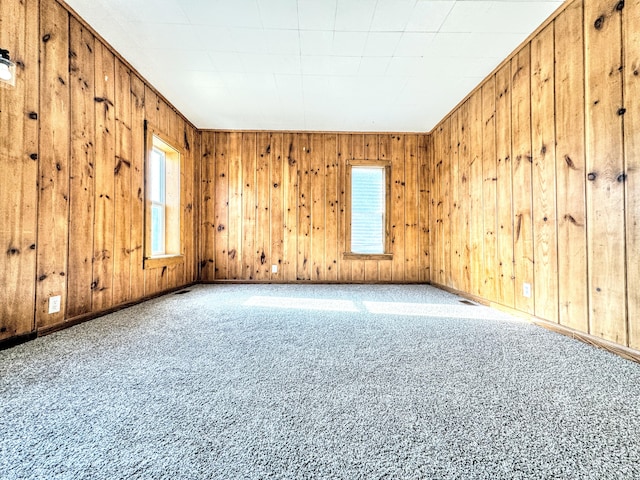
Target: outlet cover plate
54 304
526 290
274 268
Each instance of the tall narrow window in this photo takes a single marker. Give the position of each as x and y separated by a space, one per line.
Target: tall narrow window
368 209
163 232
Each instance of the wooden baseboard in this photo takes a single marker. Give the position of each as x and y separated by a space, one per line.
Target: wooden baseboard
303 282
93 315
620 350
15 341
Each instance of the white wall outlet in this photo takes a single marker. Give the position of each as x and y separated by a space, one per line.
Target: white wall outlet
274 268
526 290
54 304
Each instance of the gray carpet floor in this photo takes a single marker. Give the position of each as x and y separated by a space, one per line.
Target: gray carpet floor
315 382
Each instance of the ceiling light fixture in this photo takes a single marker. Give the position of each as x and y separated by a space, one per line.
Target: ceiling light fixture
7 69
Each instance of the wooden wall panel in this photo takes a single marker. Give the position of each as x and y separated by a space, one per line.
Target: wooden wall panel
19 155
72 133
544 176
559 174
605 190
523 260
81 182
570 168
464 199
53 181
631 19
452 228
475 211
491 256
504 190
262 269
122 192
103 242
277 161
424 208
297 184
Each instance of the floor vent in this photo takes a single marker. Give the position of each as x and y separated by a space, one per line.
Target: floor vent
182 292
467 302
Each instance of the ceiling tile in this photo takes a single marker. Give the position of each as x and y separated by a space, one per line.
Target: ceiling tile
316 15
428 16
382 44
282 41
282 14
355 15
392 15
414 44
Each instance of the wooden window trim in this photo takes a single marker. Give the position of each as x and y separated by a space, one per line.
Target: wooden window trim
159 261
387 255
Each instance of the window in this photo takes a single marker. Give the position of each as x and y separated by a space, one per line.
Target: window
163 242
368 209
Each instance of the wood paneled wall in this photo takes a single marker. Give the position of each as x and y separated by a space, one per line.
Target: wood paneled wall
279 199
71 195
536 177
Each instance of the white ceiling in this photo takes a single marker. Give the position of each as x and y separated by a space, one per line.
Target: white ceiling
323 65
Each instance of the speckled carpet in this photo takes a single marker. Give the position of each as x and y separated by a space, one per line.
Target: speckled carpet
315 382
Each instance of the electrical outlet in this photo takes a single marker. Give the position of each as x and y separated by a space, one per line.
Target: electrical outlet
54 304
526 290
274 268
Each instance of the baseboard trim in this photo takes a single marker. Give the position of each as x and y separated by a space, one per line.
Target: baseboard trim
620 350
93 315
303 282
15 341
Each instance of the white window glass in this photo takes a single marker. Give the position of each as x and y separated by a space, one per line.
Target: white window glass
367 210
157 180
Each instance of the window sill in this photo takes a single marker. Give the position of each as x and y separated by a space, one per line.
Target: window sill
163 261
367 256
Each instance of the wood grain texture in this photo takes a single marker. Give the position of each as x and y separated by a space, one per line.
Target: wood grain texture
604 149
53 181
570 169
544 176
631 32
18 191
291 206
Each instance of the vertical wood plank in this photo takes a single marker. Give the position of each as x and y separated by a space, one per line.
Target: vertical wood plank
385 268
276 168
262 247
122 188
476 210
290 262
19 191
137 187
491 256
332 206
411 213
219 192
604 153
544 176
424 179
81 186
214 192
504 198
248 200
192 183
631 19
103 241
357 266
344 155
570 168
317 172
522 172
53 213
398 207
304 261
453 227
464 199
234 251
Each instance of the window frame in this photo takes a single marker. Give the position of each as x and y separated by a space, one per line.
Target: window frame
173 211
387 255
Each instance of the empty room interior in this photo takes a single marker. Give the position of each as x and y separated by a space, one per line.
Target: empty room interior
320 239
